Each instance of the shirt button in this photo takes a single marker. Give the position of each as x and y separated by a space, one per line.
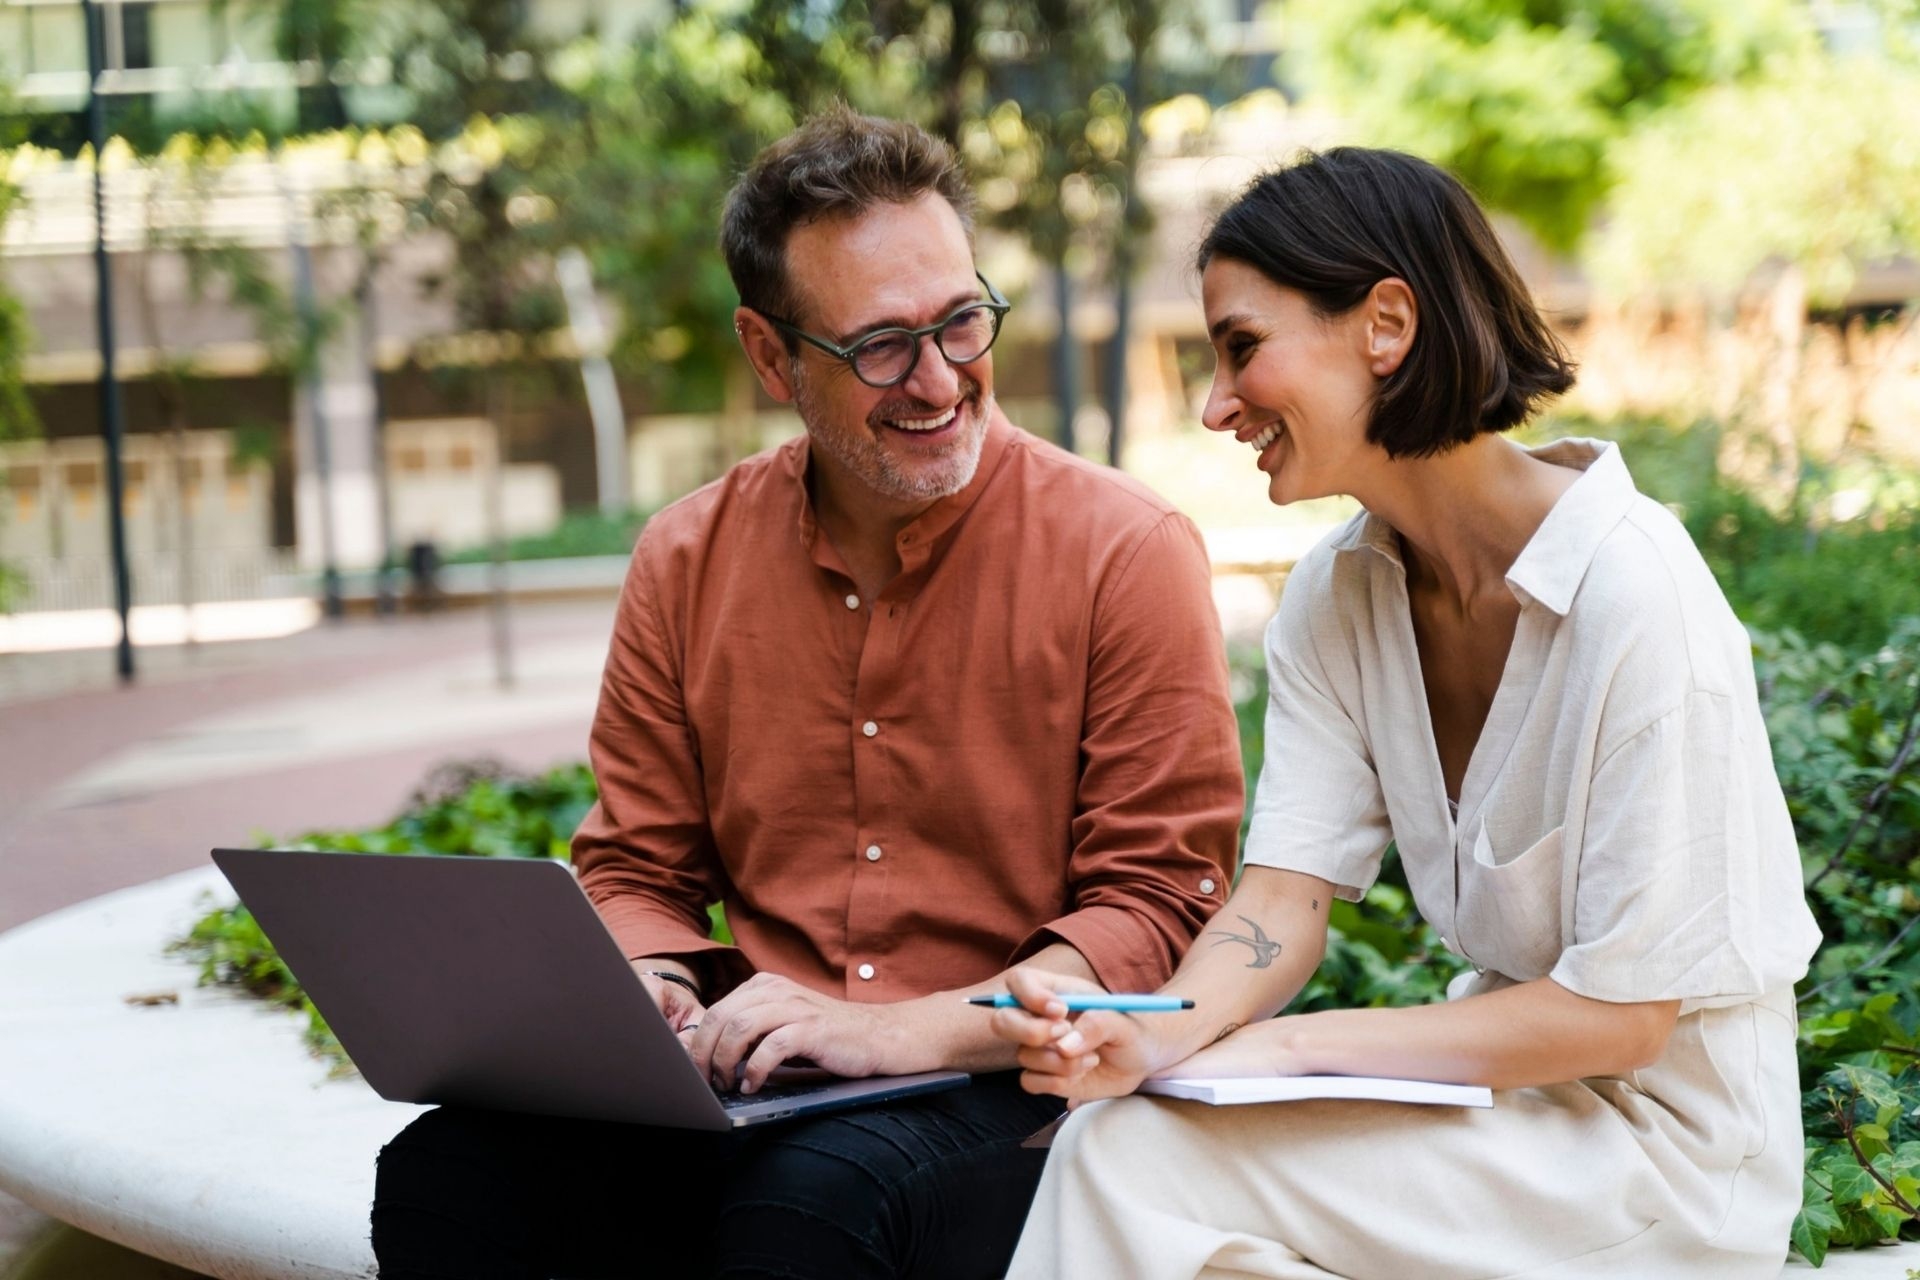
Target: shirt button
873 853
853 602
1206 886
869 728
866 972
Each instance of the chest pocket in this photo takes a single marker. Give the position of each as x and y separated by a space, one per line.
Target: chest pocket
1508 910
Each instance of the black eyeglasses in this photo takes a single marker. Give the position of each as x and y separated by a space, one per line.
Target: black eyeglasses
887 357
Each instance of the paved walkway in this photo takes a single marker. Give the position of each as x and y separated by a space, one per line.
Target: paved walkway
103 787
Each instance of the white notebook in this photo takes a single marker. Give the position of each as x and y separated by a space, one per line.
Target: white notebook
1234 1090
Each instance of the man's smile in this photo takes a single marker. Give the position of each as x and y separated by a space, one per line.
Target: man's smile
928 427
925 425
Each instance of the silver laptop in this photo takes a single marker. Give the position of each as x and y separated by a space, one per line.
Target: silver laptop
491 982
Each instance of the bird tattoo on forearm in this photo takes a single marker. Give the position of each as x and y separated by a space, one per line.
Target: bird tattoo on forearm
1264 948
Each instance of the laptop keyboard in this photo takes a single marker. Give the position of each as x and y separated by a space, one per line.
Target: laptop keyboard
770 1093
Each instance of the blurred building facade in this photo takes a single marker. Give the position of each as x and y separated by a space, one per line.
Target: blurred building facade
241 476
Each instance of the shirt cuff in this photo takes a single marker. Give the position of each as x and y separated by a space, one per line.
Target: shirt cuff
1351 871
643 933
1126 950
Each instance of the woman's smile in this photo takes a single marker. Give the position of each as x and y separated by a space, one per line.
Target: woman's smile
1264 442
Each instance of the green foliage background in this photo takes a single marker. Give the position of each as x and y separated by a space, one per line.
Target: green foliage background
1844 730
1525 99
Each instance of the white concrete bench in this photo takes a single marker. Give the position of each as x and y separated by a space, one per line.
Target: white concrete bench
203 1132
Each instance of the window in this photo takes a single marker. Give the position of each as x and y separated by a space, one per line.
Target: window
56 38
16 51
136 33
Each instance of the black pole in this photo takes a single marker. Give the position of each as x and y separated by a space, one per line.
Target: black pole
1116 370
112 420
1123 269
1066 357
386 602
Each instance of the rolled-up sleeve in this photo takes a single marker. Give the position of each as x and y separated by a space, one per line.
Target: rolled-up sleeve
645 851
1160 795
1319 808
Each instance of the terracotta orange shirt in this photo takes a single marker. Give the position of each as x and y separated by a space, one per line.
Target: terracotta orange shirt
1026 737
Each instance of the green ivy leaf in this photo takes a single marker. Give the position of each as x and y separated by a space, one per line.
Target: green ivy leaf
1812 1228
1887 1218
1852 1185
1874 1086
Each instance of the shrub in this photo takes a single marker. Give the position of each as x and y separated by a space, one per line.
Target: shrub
579 533
1844 732
1837 558
1862 1117
13 586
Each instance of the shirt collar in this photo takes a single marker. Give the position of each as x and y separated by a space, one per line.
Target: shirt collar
928 531
1368 532
1555 560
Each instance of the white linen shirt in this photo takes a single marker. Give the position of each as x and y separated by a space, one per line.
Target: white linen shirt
1620 827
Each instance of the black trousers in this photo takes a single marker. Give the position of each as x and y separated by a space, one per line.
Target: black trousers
936 1186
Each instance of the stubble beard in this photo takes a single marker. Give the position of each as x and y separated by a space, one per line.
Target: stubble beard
861 452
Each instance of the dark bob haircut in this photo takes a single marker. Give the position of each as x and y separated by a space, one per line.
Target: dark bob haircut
1339 222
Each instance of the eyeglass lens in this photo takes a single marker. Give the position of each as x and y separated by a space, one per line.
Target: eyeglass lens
886 357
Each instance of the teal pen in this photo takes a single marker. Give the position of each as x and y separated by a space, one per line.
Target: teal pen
1080 1003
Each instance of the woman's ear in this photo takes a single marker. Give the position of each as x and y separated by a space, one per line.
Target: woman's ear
1392 318
766 351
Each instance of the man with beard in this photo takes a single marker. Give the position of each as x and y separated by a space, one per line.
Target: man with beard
917 697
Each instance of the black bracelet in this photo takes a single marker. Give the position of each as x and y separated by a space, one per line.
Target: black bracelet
678 980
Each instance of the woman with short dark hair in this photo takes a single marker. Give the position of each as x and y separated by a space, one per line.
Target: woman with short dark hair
1518 670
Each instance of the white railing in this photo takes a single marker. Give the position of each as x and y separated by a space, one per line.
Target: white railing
86 582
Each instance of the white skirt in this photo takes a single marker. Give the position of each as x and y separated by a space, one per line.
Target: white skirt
1688 1168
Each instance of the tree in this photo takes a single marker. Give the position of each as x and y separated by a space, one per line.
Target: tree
627 153
1790 183
1048 123
1817 168
478 77
1524 99
184 173
1039 96
664 128
17 416
321 37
